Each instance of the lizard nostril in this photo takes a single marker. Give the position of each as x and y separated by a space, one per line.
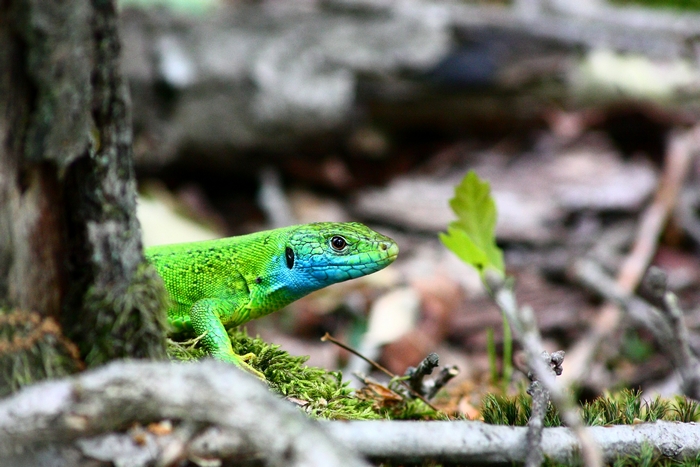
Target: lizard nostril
383 246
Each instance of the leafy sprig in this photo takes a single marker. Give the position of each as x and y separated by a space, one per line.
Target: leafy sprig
472 236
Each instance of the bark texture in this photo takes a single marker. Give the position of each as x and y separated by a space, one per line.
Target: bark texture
81 421
71 263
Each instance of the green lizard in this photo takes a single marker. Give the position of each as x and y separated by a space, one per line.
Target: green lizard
217 284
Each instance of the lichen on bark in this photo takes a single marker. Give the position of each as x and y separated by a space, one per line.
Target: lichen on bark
73 280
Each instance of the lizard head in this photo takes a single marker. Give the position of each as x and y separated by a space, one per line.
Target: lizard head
325 253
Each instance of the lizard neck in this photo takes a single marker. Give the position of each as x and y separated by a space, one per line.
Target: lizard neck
275 291
272 283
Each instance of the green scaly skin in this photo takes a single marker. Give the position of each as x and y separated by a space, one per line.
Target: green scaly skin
218 284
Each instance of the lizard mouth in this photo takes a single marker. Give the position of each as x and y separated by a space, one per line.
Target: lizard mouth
392 257
383 261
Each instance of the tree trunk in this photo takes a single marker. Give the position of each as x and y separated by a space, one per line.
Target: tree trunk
74 287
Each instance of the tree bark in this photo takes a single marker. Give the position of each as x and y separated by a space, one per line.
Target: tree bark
74 287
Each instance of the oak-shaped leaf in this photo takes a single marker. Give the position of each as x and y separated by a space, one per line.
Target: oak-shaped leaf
472 236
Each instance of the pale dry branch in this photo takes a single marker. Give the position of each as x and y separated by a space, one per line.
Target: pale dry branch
68 413
469 442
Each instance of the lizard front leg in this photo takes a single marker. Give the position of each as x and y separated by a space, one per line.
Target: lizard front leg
205 317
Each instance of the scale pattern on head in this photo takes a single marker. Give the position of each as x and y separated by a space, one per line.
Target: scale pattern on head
325 253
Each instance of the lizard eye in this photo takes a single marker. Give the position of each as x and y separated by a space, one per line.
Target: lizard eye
289 256
338 243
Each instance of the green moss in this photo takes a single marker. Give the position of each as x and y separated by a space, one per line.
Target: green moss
625 407
319 393
413 409
684 410
648 456
126 323
621 408
692 5
498 409
32 348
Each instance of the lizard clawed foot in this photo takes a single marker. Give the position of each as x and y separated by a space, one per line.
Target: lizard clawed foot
247 357
247 367
241 361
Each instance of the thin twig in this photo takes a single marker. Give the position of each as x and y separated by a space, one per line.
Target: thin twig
446 374
661 315
687 364
416 375
525 330
428 388
328 337
540 404
681 149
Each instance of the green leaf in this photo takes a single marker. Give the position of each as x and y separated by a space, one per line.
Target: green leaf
472 236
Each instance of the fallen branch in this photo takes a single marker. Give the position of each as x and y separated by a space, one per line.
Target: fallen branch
468 442
195 396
